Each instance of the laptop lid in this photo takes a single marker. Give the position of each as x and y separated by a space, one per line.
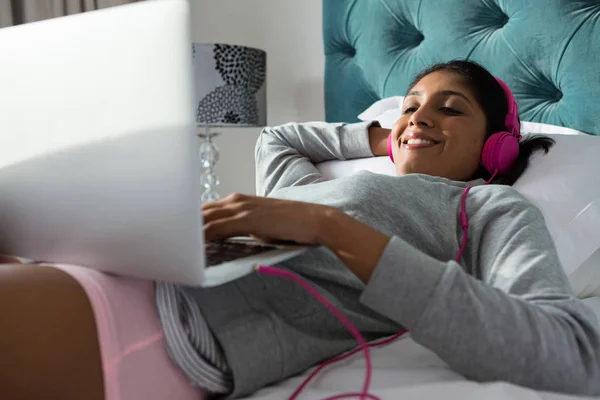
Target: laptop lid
98 152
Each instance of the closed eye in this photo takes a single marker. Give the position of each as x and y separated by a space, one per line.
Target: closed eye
447 110
450 111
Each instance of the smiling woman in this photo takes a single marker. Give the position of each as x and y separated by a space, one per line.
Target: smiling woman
394 253
453 124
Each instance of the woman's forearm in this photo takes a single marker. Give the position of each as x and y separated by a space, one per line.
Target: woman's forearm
378 140
358 245
299 147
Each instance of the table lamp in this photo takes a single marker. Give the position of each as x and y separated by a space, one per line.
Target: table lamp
230 92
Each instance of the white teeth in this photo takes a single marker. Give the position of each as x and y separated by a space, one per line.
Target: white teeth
419 141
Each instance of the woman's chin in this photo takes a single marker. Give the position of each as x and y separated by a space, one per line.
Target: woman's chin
407 169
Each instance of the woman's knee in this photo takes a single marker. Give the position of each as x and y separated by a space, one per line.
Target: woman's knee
48 339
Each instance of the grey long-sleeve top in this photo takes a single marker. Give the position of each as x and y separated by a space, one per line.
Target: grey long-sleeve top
505 312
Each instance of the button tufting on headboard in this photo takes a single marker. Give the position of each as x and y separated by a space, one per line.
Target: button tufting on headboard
418 38
558 95
494 16
344 49
502 20
349 51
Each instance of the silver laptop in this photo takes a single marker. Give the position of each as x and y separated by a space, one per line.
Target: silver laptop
99 162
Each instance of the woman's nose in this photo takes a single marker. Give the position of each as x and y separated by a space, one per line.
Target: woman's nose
420 118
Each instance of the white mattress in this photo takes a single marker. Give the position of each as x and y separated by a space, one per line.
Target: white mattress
406 370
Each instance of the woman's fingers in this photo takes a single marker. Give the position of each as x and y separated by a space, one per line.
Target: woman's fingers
264 239
212 205
217 213
235 198
227 217
224 208
223 228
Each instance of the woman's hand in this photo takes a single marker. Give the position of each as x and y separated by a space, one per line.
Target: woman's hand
378 140
263 217
358 245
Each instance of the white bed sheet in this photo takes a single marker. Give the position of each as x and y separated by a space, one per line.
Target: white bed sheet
407 370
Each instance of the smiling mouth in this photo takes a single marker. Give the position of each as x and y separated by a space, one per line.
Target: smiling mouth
418 143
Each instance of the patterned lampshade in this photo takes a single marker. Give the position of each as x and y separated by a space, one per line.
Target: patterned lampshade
230 85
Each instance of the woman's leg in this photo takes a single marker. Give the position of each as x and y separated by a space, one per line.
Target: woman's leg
48 341
8 260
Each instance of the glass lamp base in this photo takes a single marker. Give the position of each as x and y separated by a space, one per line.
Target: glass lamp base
209 155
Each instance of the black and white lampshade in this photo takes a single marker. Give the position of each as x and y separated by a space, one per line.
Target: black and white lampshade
230 85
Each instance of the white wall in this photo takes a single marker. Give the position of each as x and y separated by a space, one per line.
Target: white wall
290 32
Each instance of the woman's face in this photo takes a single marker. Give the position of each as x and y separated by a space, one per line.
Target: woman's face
441 131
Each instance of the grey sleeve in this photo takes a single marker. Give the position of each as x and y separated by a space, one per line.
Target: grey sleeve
285 155
520 323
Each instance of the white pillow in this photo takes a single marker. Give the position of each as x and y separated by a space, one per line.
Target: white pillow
564 184
389 110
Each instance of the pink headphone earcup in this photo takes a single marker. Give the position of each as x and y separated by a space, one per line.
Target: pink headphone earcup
390 147
500 152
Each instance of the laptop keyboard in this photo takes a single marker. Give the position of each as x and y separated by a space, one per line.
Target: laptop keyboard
218 252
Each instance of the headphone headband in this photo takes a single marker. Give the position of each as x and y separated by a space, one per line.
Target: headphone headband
512 117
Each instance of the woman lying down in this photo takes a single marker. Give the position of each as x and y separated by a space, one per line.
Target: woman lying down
504 311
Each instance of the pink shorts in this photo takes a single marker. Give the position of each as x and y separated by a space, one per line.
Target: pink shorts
135 362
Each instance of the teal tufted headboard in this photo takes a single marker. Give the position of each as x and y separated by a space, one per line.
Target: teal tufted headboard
547 51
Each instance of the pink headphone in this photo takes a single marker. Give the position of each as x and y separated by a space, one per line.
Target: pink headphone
501 149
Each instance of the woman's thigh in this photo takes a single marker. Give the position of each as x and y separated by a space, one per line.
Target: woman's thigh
48 341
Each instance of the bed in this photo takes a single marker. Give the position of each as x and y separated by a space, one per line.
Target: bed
548 52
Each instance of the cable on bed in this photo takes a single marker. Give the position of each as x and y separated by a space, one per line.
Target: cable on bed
363 345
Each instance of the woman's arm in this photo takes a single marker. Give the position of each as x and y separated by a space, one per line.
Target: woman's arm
378 140
521 323
355 243
285 155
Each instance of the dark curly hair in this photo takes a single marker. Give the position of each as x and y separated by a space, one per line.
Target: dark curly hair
490 96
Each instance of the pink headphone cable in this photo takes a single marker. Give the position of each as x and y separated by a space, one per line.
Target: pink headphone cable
363 346
464 223
343 357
